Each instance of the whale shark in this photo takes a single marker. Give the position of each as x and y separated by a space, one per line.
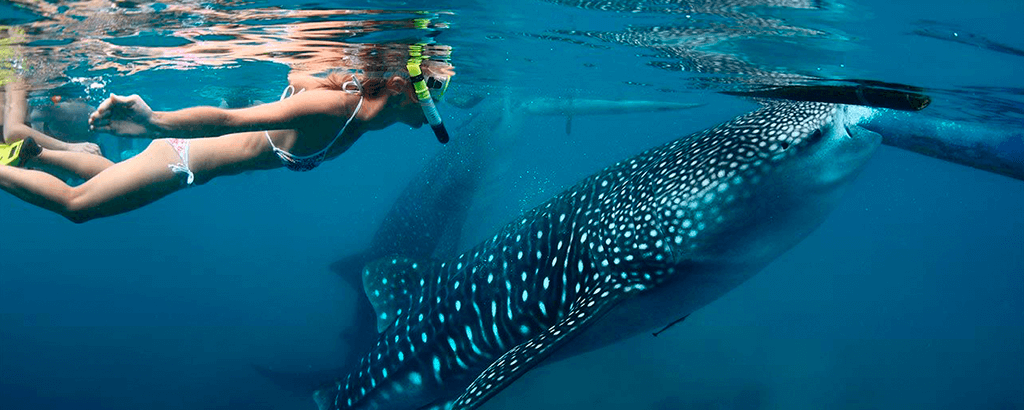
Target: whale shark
633 248
425 221
427 218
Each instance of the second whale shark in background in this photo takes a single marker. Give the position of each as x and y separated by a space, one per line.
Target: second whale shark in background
630 249
570 107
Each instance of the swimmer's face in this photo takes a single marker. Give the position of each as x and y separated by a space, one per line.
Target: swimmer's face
408 110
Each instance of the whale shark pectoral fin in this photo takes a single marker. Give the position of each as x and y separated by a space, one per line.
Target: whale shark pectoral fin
520 359
389 284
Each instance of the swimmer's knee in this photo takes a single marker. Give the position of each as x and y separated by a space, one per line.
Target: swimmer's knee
76 208
15 132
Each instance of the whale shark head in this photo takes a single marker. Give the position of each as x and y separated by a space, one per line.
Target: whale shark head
746 191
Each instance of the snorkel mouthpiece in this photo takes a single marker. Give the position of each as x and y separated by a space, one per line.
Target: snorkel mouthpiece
419 85
434 119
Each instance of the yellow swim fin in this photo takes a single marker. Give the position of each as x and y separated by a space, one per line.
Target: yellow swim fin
18 152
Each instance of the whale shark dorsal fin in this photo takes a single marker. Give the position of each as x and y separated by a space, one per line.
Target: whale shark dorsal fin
520 359
389 284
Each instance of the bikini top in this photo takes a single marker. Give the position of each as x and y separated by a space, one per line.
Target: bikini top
308 162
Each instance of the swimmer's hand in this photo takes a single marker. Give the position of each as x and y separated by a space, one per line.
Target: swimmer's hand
127 116
86 147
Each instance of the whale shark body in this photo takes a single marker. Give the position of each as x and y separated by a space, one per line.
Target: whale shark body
427 218
633 248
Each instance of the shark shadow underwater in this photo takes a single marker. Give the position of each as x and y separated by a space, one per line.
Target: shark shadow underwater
631 249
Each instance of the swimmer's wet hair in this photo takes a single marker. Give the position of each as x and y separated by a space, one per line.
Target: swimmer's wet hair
374 65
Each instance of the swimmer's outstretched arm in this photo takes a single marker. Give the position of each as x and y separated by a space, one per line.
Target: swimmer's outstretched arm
131 116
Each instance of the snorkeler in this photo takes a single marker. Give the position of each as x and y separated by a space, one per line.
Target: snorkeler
13 122
14 113
316 119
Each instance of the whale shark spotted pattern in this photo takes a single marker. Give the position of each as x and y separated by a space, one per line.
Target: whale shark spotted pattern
630 249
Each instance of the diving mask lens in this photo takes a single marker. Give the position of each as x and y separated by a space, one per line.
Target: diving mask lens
438 87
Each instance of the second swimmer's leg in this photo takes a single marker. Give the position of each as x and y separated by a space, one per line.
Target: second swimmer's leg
16 128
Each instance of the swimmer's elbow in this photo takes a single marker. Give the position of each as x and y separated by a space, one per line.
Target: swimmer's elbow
78 219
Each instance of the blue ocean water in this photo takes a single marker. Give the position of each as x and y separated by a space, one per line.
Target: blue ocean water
910 295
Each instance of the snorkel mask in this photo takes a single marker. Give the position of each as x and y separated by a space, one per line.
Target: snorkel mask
423 88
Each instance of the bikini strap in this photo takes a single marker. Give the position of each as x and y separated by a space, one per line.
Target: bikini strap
284 153
354 81
344 127
289 91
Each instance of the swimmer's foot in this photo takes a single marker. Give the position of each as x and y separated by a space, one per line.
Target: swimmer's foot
19 152
29 150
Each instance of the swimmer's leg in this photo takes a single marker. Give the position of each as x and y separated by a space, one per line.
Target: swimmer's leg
119 188
83 165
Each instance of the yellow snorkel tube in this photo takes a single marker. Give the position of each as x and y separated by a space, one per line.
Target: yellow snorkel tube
419 85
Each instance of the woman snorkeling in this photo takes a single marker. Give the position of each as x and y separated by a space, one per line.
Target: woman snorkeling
317 119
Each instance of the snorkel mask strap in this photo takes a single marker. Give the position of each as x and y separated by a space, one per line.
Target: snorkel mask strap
419 85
